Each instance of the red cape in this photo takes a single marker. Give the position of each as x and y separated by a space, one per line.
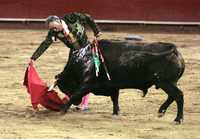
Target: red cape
38 91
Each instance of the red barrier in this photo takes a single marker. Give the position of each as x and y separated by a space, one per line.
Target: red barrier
142 10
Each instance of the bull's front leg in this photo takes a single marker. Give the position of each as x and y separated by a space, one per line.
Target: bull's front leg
76 98
87 76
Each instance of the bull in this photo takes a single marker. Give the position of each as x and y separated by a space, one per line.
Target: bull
130 65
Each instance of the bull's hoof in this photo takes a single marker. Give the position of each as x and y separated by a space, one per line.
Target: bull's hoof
178 121
144 92
63 109
143 95
62 112
115 114
161 114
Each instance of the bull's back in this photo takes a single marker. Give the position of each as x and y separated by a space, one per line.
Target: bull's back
119 59
138 62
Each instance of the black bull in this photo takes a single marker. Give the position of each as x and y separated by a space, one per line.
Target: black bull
130 65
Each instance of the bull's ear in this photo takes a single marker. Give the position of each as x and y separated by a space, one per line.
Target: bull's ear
77 101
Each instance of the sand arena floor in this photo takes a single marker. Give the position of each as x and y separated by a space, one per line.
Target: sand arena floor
138 118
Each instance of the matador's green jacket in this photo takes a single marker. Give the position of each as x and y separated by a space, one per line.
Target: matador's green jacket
77 23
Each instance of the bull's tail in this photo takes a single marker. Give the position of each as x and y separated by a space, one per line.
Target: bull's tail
182 63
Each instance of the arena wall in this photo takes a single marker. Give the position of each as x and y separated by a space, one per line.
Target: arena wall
104 10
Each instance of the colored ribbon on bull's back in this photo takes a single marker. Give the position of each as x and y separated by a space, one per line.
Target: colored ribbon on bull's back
97 55
38 91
